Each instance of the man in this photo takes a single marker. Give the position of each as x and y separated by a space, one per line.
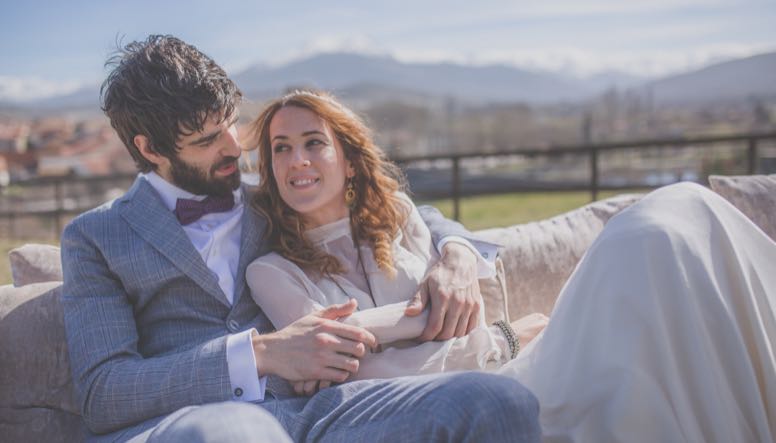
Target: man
165 342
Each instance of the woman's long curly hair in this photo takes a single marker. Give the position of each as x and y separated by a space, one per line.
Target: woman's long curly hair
377 212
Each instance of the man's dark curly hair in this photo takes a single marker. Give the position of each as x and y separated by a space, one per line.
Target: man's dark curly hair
164 88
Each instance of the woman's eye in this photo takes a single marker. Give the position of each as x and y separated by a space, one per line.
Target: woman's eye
280 148
315 142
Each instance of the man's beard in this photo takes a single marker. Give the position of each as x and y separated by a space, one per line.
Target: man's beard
198 182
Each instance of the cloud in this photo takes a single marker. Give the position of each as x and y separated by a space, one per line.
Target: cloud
585 62
327 43
24 89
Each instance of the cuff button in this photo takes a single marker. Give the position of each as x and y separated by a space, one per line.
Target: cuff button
238 392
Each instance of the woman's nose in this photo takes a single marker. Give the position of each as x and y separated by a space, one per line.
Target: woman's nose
300 158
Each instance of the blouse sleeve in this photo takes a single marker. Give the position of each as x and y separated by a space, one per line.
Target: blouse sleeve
281 293
388 322
285 296
483 348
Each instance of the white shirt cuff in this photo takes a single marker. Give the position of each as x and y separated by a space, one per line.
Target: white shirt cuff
243 374
485 252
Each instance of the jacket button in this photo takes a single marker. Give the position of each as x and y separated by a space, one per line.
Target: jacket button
238 392
232 325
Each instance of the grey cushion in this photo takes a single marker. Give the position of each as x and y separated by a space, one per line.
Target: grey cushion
540 256
36 393
754 195
35 263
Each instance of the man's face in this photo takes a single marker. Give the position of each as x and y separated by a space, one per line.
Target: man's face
207 161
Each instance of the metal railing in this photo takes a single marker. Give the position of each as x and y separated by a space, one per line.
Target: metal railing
749 141
64 204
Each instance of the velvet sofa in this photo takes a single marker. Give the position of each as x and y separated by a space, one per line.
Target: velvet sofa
36 395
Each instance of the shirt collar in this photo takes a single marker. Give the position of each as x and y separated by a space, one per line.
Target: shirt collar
171 193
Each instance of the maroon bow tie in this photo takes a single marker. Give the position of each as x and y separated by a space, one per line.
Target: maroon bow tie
188 211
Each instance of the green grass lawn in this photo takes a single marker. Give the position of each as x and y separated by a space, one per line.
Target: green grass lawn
509 209
476 213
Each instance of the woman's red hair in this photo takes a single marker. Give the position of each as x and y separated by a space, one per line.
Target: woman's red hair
377 213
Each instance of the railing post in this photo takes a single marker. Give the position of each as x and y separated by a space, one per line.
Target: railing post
594 173
752 157
456 189
60 205
12 225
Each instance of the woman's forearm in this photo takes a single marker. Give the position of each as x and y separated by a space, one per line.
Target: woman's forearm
389 323
483 348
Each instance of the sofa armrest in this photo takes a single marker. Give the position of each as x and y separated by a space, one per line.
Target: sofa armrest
37 401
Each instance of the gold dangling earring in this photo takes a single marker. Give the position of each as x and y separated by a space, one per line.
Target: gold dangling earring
350 194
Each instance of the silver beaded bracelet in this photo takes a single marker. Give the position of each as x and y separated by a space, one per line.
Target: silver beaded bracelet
511 336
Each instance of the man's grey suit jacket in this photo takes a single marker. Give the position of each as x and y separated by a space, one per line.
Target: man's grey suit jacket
146 320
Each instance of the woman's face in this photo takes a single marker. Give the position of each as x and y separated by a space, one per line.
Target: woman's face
309 165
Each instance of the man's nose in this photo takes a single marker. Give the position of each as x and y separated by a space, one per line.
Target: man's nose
232 146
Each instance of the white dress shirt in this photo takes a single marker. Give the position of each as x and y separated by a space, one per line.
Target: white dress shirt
216 237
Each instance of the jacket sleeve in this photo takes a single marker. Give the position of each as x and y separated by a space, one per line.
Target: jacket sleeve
115 385
442 227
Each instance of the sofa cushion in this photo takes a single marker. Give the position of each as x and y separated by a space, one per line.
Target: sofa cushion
36 394
539 257
754 195
35 263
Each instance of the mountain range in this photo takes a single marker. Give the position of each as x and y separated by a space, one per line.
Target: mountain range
369 77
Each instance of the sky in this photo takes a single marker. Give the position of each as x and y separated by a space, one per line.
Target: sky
53 47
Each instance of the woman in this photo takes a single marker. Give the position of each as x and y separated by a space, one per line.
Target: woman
331 188
665 332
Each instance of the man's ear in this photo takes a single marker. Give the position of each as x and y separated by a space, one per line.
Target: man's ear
144 146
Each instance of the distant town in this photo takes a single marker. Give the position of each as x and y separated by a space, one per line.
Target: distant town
70 144
425 109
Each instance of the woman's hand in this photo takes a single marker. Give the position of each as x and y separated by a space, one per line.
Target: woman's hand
528 327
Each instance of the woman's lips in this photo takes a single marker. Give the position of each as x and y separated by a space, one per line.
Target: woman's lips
303 182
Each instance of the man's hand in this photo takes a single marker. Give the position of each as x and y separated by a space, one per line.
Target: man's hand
315 347
310 387
452 288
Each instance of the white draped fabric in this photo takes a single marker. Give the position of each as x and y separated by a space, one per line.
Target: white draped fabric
665 332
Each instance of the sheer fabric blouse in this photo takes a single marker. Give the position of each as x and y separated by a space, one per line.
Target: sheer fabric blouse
286 293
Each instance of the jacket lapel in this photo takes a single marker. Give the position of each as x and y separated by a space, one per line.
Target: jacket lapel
251 241
146 214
